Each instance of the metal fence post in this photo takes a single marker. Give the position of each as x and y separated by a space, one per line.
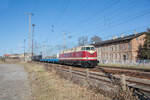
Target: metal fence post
70 70
87 73
123 82
52 67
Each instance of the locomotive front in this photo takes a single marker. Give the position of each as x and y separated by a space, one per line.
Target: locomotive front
89 56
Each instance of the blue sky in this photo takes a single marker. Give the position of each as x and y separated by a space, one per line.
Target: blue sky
105 18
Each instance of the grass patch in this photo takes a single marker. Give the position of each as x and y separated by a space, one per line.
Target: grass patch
49 86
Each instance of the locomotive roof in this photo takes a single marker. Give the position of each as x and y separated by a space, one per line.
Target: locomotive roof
75 49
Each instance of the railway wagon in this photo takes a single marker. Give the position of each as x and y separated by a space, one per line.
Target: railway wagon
54 60
36 57
85 56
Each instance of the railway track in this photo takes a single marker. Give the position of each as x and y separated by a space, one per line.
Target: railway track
135 79
119 71
126 68
126 71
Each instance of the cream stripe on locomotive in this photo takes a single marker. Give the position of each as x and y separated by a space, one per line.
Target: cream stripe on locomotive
81 58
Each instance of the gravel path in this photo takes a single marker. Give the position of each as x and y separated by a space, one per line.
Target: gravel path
14 84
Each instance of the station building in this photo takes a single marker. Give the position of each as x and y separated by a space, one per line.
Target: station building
120 50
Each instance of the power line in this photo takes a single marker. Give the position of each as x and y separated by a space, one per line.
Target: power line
113 15
132 29
133 18
129 30
101 11
128 8
64 10
144 13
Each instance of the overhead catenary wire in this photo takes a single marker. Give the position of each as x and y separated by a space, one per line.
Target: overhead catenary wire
98 13
110 24
130 18
64 11
113 15
130 31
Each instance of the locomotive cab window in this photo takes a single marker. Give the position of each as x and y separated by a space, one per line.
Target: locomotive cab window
87 48
90 48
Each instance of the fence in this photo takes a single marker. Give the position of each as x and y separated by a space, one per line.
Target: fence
107 83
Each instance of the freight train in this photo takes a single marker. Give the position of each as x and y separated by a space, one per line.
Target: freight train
84 56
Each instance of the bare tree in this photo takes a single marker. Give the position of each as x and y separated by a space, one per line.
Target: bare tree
83 40
148 30
95 39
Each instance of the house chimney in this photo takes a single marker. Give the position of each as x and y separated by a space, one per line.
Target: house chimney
115 37
122 35
135 32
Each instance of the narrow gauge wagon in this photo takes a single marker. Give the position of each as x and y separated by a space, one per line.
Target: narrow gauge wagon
85 56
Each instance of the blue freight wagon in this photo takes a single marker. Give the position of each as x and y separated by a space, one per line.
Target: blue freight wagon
50 60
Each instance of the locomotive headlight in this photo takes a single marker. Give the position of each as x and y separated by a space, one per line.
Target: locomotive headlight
92 51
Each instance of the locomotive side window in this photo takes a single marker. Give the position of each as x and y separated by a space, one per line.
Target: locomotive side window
88 48
83 48
92 48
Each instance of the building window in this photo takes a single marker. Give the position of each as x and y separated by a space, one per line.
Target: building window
129 46
118 47
137 38
124 57
123 46
117 55
148 46
120 56
127 57
111 56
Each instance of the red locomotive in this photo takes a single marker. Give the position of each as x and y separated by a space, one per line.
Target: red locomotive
85 56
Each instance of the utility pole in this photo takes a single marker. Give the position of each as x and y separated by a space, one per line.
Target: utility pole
29 37
24 48
64 40
33 25
42 48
